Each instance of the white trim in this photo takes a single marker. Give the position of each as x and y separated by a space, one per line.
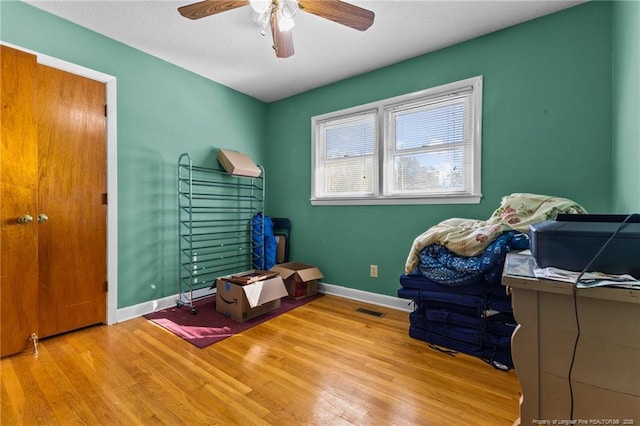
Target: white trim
365 296
144 308
467 199
477 98
112 166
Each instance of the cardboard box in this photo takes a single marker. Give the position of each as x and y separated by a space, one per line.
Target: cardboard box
251 277
237 163
300 279
244 302
300 290
281 244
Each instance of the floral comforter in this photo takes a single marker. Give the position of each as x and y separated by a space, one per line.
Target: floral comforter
469 237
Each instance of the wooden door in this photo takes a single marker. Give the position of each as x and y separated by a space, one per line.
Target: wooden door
18 196
72 191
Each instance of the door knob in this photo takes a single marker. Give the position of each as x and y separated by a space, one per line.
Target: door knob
42 218
24 219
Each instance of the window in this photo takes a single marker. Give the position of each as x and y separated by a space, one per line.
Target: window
418 148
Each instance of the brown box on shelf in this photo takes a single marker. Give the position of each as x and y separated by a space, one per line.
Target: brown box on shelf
300 279
238 163
244 302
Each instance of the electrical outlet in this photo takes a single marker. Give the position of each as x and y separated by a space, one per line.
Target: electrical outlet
373 271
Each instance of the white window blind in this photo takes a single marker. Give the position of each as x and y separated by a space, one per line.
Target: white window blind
429 146
423 147
348 159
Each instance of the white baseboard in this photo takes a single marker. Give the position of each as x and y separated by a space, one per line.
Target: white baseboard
365 296
135 311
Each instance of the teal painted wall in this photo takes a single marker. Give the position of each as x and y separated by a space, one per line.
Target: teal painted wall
163 111
626 106
546 129
547 121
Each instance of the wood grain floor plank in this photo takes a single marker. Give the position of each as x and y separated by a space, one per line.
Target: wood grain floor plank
13 398
323 363
81 374
32 404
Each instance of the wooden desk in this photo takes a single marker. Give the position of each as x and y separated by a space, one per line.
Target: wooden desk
606 370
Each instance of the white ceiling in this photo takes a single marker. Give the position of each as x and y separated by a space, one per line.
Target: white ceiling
228 48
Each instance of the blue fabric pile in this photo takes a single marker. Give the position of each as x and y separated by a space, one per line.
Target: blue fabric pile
443 266
460 303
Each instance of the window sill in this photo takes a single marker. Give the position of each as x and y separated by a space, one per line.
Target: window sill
451 199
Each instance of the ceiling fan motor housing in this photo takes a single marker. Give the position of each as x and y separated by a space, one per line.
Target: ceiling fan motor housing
278 14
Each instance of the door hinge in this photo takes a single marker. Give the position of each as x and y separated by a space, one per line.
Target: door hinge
106 286
105 199
105 110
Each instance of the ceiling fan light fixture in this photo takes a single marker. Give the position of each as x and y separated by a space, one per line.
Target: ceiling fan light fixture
285 23
260 6
288 8
262 19
282 10
278 15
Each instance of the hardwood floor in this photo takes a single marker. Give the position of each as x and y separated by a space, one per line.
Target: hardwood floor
320 364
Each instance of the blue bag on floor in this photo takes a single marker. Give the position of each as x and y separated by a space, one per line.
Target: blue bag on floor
263 241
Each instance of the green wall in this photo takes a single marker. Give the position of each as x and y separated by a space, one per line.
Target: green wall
546 129
548 124
626 106
163 111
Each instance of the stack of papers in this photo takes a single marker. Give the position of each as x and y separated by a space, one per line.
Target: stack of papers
589 279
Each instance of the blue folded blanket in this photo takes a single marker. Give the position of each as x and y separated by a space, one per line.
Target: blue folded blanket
443 266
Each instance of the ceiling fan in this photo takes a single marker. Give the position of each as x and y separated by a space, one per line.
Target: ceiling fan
278 14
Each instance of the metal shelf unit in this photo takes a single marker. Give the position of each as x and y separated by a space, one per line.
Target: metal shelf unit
215 232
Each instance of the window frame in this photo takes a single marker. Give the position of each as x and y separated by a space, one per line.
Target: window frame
383 171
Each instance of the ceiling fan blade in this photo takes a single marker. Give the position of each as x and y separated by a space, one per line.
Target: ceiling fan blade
340 12
282 40
209 7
